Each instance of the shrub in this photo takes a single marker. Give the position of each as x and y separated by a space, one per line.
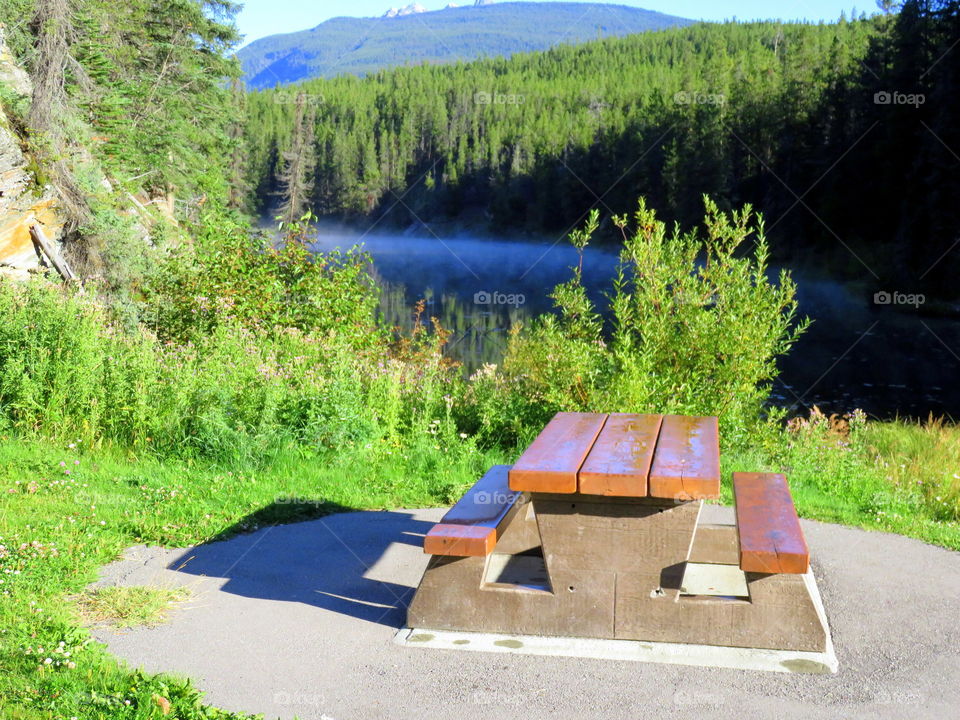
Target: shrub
232 275
696 326
68 371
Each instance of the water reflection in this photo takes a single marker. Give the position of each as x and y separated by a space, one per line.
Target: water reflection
887 360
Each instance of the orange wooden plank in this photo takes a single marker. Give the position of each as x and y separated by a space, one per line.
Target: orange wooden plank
686 462
460 540
771 539
552 461
619 462
472 526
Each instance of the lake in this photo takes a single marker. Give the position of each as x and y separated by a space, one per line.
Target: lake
888 359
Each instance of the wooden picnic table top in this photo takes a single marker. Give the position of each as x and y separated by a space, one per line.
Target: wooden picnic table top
623 455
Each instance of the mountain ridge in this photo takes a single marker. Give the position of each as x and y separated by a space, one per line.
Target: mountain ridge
360 46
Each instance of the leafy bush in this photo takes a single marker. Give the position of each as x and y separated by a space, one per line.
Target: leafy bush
232 275
696 328
243 379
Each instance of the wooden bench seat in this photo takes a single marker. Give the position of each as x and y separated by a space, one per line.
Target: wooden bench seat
771 540
472 527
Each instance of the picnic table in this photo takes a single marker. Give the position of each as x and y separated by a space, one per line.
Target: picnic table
594 532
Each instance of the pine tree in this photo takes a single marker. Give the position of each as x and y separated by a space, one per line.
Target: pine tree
296 181
239 192
52 25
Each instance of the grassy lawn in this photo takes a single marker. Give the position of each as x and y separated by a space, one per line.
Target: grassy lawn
66 512
129 606
896 477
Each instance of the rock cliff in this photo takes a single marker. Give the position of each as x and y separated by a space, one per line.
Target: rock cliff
23 202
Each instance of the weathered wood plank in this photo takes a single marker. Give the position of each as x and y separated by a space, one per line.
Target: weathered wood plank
771 539
460 540
473 525
50 250
686 462
552 461
619 462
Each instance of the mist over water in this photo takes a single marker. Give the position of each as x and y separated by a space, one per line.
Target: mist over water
886 359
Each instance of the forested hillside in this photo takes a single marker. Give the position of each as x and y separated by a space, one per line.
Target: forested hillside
364 45
840 129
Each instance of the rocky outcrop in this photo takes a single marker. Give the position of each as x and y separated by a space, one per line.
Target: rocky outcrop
22 201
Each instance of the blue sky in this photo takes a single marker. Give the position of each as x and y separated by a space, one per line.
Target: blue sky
266 17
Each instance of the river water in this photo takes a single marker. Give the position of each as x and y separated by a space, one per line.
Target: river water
886 359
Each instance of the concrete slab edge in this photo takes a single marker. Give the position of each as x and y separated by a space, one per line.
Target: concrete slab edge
794 661
814 590
632 650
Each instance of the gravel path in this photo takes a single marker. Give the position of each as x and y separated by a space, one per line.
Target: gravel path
298 621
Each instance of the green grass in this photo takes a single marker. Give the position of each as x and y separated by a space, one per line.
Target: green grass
129 606
920 460
895 477
67 512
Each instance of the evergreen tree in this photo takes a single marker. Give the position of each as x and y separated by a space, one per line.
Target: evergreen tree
296 181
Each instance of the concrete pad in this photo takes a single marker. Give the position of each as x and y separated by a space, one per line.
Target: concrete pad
299 621
714 580
630 650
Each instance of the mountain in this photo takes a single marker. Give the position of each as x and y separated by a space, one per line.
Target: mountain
412 36
411 9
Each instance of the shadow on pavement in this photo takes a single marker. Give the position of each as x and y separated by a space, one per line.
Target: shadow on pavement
337 562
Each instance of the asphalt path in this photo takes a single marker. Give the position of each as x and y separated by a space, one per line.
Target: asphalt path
297 621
